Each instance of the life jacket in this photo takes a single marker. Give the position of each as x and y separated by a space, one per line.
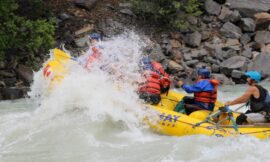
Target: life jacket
47 71
96 54
165 80
208 97
262 103
152 83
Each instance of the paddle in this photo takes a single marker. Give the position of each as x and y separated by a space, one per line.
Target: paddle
61 55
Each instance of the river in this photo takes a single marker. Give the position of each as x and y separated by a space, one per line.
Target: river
96 117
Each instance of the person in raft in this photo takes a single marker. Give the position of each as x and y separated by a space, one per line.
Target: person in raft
257 97
205 93
95 52
157 81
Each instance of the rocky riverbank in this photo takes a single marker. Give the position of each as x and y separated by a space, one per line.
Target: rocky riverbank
230 37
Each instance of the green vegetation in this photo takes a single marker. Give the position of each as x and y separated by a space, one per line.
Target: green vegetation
170 12
25 31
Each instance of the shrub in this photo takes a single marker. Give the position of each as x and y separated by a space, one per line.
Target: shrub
167 11
21 36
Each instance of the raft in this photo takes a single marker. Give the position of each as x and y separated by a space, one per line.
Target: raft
57 67
165 119
169 122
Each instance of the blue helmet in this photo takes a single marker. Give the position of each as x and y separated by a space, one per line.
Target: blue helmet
95 36
254 75
205 73
146 63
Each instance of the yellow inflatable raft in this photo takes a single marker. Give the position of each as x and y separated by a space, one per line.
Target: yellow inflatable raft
166 120
173 123
56 67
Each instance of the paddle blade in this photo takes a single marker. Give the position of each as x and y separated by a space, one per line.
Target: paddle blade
60 55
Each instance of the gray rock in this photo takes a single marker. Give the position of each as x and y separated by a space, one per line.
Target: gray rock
234 17
205 35
157 53
64 16
233 63
212 7
262 37
125 5
215 68
25 73
210 60
174 67
192 63
86 4
84 30
82 42
9 82
208 18
176 55
110 27
247 53
245 39
261 63
237 74
194 39
228 52
229 30
11 93
6 74
223 80
248 24
126 11
248 8
225 13
187 57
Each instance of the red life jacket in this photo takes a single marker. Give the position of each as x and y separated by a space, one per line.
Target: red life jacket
47 72
208 97
96 54
152 84
165 80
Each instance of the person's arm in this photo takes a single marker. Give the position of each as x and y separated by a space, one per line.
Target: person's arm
242 99
198 87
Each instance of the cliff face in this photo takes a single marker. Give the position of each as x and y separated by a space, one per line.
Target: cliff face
230 37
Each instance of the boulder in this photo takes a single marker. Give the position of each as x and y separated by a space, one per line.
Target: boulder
192 63
9 82
175 43
127 11
86 4
84 30
5 73
174 67
194 39
223 80
266 49
261 63
64 16
247 53
11 93
156 53
248 8
233 63
262 37
230 30
215 68
82 42
212 7
247 24
25 73
176 55
245 39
